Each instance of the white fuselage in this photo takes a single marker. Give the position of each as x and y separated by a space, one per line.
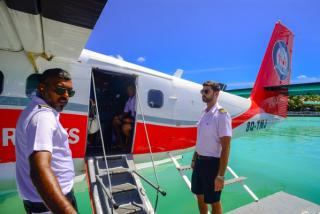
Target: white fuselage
170 128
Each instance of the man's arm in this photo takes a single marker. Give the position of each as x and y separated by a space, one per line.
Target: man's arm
194 157
47 184
225 144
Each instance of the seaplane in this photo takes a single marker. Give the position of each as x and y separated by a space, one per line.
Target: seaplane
37 35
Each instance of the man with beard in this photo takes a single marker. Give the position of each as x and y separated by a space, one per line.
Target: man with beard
210 159
44 166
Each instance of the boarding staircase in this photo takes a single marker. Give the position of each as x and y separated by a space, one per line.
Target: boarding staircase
125 194
115 184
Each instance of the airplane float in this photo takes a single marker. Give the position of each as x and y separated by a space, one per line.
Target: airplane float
37 35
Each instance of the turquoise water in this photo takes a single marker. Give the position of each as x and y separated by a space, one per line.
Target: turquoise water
283 158
11 203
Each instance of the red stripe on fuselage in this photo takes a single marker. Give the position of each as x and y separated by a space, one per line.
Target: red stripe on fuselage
163 138
8 122
251 112
76 125
77 129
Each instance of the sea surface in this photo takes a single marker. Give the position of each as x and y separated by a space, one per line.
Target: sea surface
285 157
10 202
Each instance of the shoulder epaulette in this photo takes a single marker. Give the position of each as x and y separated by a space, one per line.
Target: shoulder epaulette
222 110
43 106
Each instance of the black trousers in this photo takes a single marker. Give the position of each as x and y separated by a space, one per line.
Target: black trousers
39 207
202 181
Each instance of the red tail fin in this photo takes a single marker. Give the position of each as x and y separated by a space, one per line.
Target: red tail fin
269 92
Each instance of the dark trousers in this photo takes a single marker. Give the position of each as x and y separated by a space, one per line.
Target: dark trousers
202 181
39 207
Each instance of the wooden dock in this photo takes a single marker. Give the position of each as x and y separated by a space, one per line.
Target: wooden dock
279 202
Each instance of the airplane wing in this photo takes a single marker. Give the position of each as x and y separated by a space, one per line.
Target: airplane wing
54 27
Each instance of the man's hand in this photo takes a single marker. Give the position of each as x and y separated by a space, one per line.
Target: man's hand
218 184
192 164
92 102
194 157
47 184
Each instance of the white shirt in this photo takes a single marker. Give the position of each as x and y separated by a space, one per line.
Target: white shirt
39 129
213 125
131 106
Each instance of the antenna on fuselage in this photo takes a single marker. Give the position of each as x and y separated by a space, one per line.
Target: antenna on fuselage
178 73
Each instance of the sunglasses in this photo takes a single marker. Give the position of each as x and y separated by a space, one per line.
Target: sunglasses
61 91
205 91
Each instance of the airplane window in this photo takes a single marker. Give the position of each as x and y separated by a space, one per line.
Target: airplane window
32 84
1 82
155 98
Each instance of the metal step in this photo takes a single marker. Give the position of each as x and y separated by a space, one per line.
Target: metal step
128 208
234 180
125 194
118 170
123 188
185 167
227 182
114 162
115 170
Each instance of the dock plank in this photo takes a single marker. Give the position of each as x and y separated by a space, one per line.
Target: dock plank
279 202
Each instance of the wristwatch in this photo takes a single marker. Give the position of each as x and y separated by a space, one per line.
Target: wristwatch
220 177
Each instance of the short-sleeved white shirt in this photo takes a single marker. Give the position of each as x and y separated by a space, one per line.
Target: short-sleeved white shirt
39 129
212 125
131 106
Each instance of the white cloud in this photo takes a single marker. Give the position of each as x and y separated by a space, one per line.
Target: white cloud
304 79
141 59
301 77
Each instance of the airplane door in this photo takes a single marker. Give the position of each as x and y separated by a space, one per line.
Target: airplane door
154 118
155 103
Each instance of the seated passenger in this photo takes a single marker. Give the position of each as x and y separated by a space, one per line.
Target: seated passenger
123 123
126 128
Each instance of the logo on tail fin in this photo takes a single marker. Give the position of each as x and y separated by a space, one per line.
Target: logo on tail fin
280 58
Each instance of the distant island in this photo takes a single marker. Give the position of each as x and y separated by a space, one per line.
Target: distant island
304 98
304 105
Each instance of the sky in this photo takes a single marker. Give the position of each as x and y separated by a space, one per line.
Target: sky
220 40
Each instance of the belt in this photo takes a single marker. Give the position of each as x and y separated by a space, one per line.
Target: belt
34 207
39 207
201 157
